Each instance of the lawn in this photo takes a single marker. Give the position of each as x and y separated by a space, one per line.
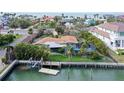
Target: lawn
64 58
18 36
118 58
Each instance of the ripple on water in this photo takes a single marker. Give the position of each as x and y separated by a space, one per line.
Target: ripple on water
72 74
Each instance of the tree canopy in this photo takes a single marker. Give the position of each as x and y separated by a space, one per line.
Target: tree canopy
100 46
25 51
59 29
5 39
20 22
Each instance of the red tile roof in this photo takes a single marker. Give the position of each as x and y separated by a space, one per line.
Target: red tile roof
114 26
69 39
63 39
100 32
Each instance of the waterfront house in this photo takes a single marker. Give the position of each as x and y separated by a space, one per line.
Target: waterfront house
56 43
110 33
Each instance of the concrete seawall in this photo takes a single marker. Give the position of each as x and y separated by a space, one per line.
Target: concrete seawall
79 64
7 70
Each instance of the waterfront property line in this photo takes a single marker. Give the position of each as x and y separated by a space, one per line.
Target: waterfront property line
104 65
73 64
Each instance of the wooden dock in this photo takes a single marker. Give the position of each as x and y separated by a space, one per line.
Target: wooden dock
47 63
49 71
54 64
78 64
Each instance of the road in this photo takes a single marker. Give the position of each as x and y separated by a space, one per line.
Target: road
2 54
3 51
17 41
18 31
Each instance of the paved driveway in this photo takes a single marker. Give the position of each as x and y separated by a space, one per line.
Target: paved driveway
19 31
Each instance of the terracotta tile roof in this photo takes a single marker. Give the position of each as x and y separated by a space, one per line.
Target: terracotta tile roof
69 39
114 26
63 39
102 33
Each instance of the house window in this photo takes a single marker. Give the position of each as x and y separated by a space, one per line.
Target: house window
111 43
117 43
122 43
121 33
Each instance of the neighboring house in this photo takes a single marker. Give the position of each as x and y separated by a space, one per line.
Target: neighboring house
66 20
47 18
50 31
111 33
90 22
69 25
121 17
29 39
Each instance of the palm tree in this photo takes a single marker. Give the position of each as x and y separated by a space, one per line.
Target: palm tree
97 15
1 13
85 16
69 51
63 15
94 15
83 48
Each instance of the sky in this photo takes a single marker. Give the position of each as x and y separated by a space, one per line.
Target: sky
62 5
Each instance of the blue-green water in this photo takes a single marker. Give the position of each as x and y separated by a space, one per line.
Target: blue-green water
71 74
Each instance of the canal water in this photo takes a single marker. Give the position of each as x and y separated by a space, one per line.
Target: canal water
67 74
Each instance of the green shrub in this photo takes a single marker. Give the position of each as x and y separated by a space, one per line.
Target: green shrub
5 39
95 55
4 60
30 31
120 51
25 51
89 38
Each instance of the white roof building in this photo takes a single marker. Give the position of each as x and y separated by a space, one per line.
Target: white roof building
111 33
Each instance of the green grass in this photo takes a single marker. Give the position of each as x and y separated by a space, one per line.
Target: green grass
43 36
118 58
17 36
64 58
